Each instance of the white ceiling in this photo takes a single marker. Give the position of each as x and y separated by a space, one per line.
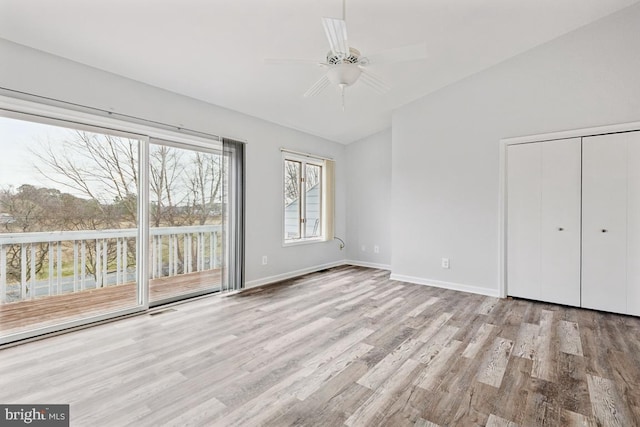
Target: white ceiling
214 50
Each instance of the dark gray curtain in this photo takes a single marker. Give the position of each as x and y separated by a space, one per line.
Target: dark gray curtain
235 161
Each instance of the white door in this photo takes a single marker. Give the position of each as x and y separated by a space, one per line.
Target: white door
560 222
543 221
524 198
633 224
604 222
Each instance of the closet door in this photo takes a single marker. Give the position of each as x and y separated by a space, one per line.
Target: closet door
610 277
524 198
633 224
560 222
543 221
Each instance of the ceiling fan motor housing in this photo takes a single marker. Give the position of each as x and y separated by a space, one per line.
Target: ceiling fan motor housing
340 58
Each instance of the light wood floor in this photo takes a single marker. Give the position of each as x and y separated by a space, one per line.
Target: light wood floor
46 311
344 346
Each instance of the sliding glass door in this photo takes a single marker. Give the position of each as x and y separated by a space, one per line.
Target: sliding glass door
186 206
69 225
97 223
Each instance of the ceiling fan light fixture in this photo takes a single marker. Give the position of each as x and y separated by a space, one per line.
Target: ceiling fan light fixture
344 74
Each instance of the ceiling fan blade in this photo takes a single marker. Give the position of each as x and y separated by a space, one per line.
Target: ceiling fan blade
336 31
412 52
374 82
293 61
317 87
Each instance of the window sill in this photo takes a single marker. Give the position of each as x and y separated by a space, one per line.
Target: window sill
299 242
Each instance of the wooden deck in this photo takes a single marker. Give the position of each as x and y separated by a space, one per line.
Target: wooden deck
46 311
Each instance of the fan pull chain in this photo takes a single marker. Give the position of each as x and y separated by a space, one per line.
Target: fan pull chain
342 93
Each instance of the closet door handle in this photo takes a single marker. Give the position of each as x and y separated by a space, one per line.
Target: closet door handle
560 229
604 230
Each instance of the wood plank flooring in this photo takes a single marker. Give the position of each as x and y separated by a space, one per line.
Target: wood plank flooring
325 350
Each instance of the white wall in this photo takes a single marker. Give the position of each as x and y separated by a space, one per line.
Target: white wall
369 200
445 162
35 72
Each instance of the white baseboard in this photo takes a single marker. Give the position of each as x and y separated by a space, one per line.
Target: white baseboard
367 264
447 285
399 277
290 274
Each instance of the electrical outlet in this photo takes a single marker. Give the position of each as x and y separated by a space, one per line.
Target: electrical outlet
376 249
264 260
445 263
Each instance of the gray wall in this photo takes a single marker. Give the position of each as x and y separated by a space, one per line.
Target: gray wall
445 162
369 200
35 72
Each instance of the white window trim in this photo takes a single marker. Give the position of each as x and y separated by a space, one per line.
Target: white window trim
312 160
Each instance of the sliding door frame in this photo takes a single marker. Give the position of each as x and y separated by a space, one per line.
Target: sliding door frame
142 294
48 111
207 149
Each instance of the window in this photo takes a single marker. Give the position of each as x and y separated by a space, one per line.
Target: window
306 213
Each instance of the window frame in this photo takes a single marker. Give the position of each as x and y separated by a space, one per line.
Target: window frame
304 160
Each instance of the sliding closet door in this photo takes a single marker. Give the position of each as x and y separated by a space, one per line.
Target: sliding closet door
610 223
543 221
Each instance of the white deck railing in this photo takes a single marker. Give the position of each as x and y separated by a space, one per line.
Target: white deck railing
72 261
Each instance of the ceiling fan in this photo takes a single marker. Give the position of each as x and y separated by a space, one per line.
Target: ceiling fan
345 65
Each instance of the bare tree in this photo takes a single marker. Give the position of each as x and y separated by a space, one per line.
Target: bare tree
164 170
204 181
292 172
293 179
33 209
101 167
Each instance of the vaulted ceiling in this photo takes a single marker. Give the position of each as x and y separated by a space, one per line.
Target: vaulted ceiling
215 50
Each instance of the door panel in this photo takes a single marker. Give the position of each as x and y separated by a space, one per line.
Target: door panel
604 219
524 220
69 224
186 203
560 222
633 223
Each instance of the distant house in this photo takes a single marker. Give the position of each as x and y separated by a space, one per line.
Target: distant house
313 223
5 218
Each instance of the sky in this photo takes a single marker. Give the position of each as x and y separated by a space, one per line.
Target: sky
17 137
